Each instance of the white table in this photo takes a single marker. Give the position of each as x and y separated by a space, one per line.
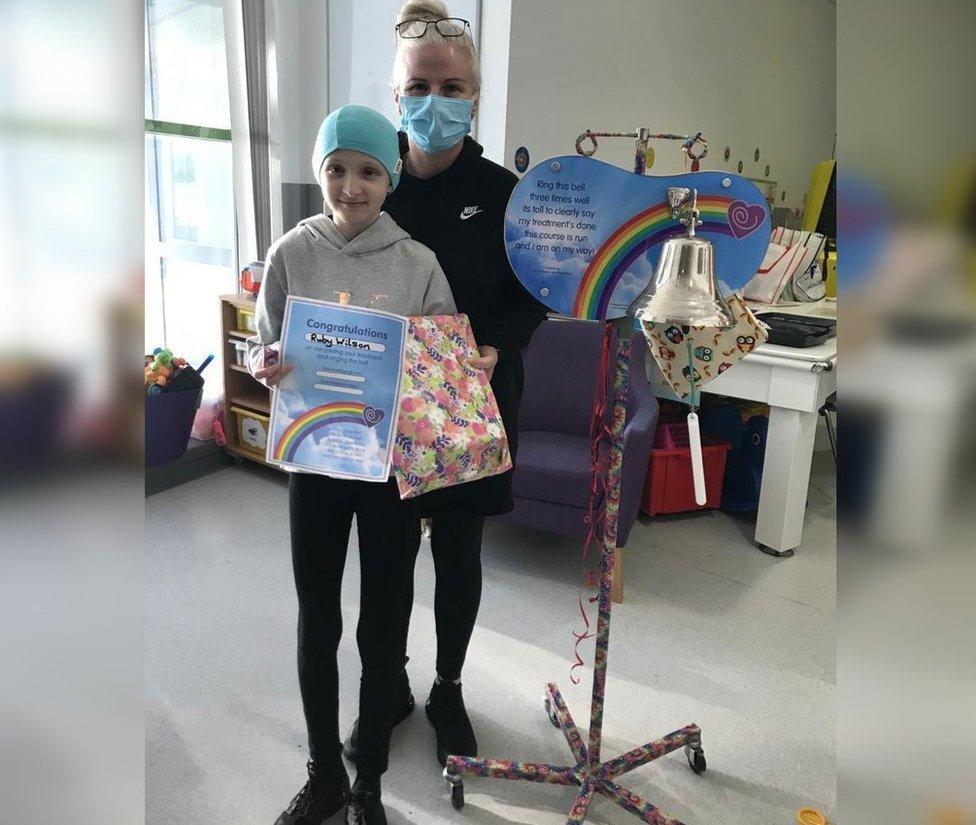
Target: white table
795 383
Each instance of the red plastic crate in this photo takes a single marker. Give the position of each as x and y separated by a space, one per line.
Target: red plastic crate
671 435
669 486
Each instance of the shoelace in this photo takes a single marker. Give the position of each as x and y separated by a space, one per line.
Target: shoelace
302 801
358 808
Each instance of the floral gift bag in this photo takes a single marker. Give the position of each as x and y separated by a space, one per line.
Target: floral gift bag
449 429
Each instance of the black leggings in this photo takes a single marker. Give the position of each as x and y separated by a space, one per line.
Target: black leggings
389 534
455 545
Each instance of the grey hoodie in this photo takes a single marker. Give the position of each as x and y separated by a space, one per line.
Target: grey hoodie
381 268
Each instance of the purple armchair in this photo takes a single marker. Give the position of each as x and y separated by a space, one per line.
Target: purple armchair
551 483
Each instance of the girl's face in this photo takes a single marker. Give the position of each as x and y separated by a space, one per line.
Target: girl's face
354 186
435 68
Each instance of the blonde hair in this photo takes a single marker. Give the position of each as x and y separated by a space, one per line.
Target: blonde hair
433 10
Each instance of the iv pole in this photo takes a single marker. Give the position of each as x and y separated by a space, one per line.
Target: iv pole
590 774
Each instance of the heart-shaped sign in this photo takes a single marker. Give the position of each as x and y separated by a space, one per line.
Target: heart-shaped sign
745 218
373 416
584 236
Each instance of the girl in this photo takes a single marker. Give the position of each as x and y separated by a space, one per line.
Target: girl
357 255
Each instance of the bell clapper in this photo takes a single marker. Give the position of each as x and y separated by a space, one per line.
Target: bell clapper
694 436
697 462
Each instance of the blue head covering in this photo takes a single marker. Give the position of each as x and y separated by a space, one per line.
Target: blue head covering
362 129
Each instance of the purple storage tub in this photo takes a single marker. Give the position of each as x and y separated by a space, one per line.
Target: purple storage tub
169 419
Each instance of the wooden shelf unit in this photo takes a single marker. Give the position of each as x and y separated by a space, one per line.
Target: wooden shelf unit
241 389
238 452
252 400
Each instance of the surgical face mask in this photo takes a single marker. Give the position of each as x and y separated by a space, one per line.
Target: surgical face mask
436 123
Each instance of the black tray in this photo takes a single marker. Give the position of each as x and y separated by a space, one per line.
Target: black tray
798 330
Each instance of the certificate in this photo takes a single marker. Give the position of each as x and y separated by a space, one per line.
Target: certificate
335 413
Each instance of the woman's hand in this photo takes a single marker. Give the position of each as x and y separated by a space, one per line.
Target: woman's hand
487 360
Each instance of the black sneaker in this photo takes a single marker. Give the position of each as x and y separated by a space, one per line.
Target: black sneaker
445 709
365 807
317 801
351 747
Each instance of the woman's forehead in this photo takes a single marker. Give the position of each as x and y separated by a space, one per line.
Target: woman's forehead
436 61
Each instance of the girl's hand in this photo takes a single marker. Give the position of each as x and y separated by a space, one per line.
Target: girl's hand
272 372
487 361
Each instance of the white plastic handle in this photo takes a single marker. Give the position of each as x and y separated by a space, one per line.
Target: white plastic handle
697 464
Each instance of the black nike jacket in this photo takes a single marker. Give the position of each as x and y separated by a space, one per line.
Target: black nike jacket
460 215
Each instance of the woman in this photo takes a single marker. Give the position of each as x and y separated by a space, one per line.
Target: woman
453 201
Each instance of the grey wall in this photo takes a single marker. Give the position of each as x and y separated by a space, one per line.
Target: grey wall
748 73
496 36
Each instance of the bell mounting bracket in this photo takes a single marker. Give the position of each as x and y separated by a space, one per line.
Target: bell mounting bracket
684 206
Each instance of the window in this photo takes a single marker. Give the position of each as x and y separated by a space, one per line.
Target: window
191 250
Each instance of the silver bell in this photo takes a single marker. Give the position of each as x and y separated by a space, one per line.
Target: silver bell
683 290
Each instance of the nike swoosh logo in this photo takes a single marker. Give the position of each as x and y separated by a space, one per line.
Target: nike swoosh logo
470 212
